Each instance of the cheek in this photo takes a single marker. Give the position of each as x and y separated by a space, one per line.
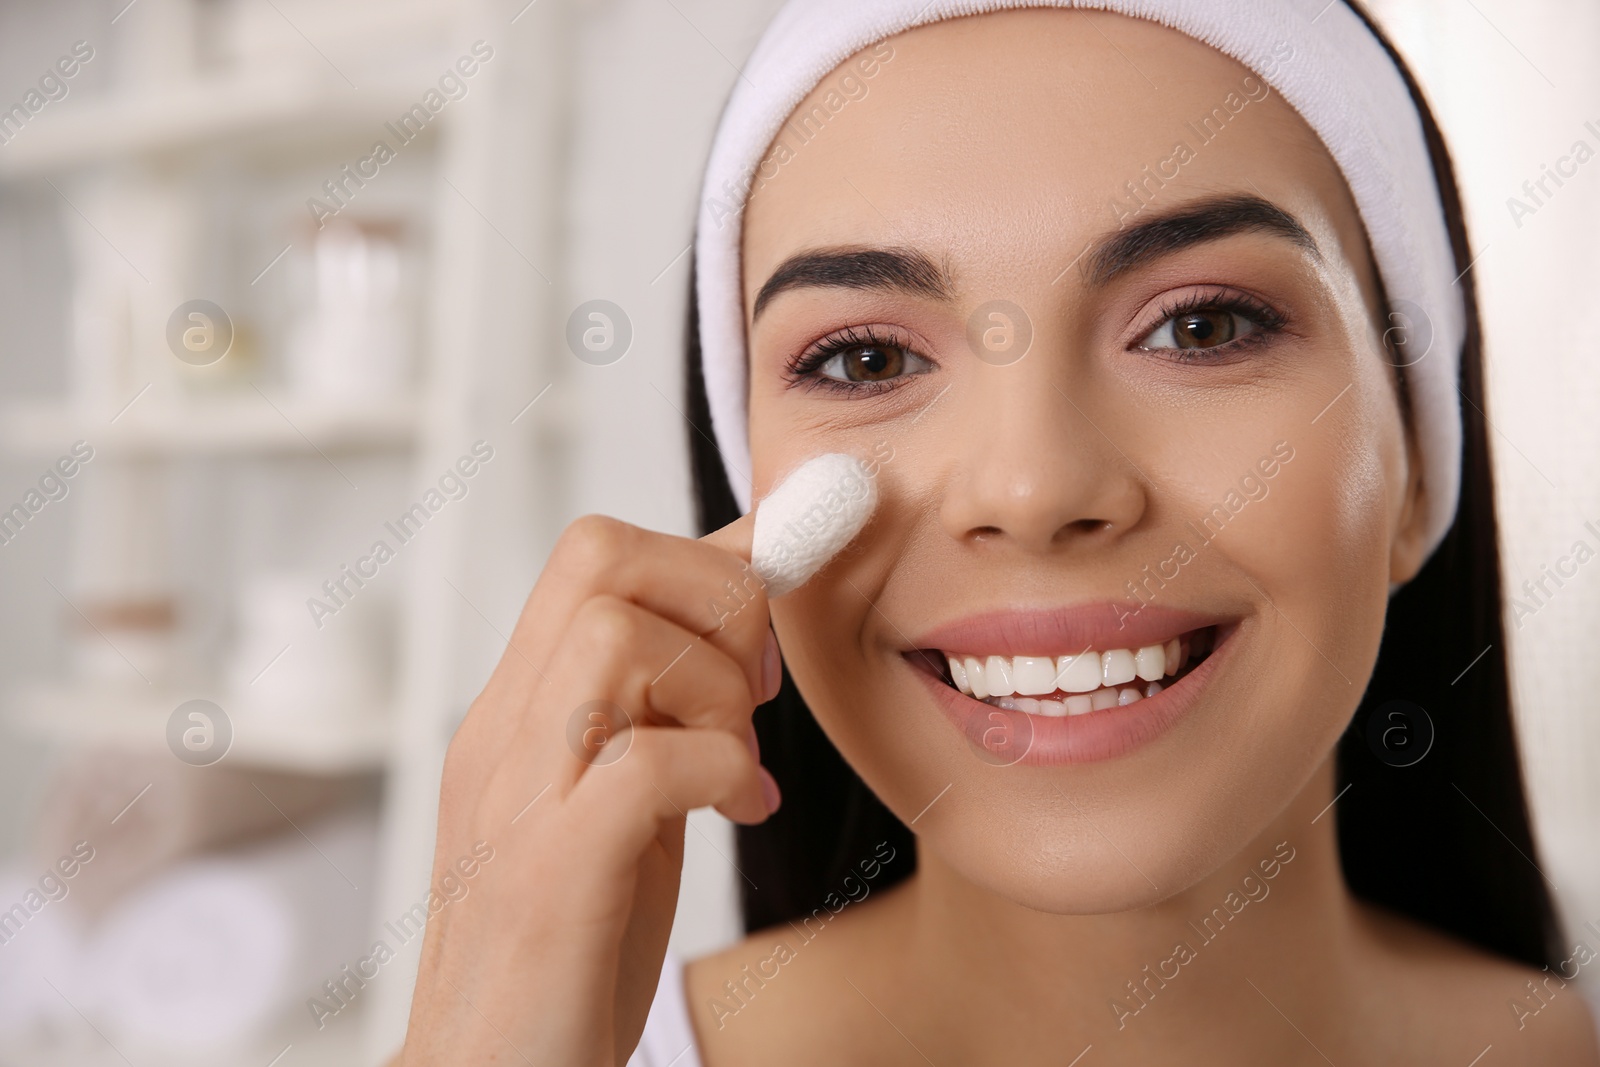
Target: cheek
787 428
1323 521
819 625
839 633
818 628
1330 533
822 624
1317 548
1313 535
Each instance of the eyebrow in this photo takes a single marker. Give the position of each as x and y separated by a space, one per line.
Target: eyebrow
904 270
1195 222
910 271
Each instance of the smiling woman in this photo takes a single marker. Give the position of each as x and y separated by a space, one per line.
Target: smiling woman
1242 310
1083 753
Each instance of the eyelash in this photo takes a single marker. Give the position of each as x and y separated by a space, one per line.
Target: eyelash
1268 321
802 369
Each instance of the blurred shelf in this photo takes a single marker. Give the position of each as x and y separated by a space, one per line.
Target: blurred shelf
108 713
265 112
245 423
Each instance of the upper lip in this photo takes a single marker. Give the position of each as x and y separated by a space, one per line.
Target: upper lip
1101 625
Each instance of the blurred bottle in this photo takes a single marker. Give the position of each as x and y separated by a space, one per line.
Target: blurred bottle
349 342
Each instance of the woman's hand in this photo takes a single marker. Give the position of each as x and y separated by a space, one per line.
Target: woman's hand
553 954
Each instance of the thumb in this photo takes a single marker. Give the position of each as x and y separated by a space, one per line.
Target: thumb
736 537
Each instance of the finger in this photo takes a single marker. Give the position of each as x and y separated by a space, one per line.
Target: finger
618 666
664 775
699 585
658 672
736 537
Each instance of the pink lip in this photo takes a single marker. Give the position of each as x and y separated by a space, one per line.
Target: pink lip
1102 625
1015 737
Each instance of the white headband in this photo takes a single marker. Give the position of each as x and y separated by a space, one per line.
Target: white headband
1340 80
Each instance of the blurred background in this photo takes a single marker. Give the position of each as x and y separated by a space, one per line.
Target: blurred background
319 319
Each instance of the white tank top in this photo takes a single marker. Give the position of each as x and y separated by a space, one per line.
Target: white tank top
668 1038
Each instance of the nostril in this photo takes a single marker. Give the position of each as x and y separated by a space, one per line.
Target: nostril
1086 526
1079 526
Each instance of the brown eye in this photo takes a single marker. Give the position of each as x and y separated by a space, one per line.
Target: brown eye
871 362
1203 327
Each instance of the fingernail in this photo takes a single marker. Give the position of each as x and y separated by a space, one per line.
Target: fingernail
771 668
769 790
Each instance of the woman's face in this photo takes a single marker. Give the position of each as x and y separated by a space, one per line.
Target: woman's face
1098 305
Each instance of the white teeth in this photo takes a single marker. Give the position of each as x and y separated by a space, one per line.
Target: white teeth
1150 663
997 672
958 675
1116 666
978 678
1092 680
1034 675
1078 674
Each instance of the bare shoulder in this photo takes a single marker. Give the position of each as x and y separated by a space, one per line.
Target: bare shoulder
761 997
1434 992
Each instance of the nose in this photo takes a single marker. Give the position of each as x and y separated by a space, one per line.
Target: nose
1036 469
